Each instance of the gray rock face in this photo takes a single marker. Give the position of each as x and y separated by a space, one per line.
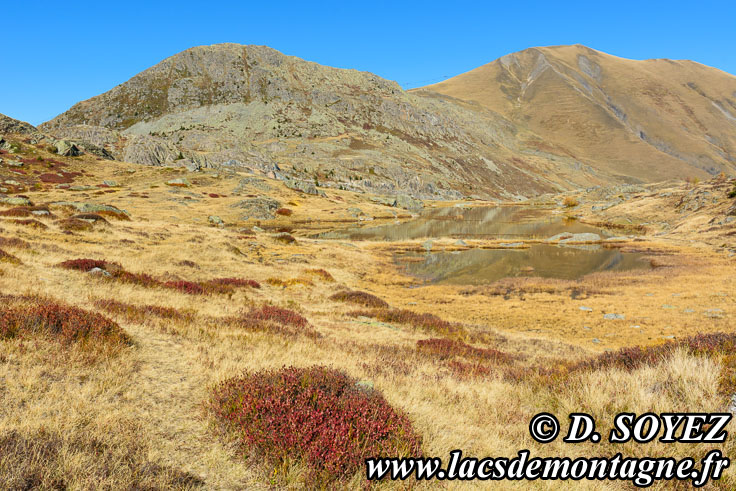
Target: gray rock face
147 150
303 186
67 149
614 317
407 202
83 207
10 125
251 183
258 208
16 201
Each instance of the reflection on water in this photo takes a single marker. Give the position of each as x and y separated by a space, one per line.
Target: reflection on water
510 223
507 222
478 266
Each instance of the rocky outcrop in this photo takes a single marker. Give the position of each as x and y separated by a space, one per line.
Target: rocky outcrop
258 208
10 125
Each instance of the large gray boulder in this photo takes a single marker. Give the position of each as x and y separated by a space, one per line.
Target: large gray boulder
258 208
303 186
67 148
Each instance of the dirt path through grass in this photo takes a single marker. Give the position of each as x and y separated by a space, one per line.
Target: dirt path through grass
170 388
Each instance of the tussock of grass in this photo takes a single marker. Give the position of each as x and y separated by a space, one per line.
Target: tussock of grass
74 225
448 348
14 242
316 416
322 274
426 322
140 313
30 222
43 460
275 320
6 257
359 298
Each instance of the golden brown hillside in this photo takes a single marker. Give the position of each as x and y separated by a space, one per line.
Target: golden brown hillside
650 120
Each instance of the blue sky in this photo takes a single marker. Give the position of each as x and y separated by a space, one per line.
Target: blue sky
55 55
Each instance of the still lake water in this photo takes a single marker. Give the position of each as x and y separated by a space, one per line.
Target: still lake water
511 223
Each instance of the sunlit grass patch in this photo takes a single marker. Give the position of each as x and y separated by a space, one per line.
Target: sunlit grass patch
140 313
427 322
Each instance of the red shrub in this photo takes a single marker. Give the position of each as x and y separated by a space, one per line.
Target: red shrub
278 315
284 212
316 415
29 222
65 322
18 211
140 279
187 287
74 225
635 357
360 298
85 264
234 282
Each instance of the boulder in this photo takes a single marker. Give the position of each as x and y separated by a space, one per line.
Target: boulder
408 203
258 208
67 148
16 201
303 186
216 221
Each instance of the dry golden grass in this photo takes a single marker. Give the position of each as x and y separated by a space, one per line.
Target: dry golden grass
136 418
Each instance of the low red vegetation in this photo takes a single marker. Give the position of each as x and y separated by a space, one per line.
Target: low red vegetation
318 416
18 211
284 212
234 282
85 264
74 225
359 298
281 316
140 279
30 222
61 321
275 320
188 287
